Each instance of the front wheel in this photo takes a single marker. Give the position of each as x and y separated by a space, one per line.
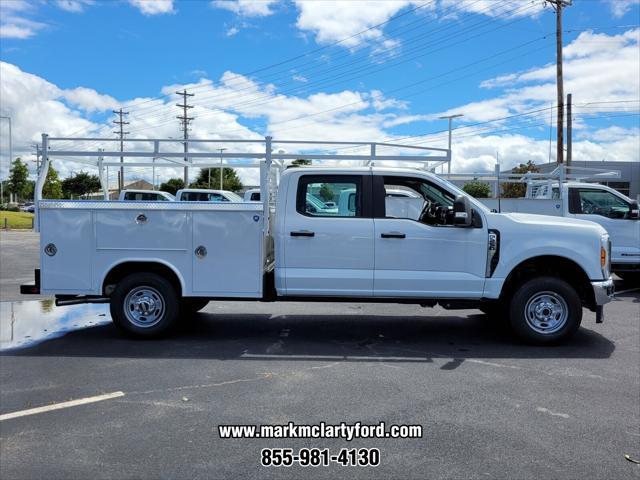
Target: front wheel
545 311
144 305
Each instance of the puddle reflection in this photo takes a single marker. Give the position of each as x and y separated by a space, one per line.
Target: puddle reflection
24 324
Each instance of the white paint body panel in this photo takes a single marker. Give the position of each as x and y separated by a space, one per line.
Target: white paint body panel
430 262
346 256
93 237
624 233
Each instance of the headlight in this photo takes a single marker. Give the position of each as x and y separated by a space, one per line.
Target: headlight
605 255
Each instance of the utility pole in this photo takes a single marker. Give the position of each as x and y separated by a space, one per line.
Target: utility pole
184 120
450 118
569 131
558 5
121 133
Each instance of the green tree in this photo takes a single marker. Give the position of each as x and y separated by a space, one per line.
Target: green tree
18 179
230 179
517 190
326 192
80 184
299 162
52 186
477 189
172 185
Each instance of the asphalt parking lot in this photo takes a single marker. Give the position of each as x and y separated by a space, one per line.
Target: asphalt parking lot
489 406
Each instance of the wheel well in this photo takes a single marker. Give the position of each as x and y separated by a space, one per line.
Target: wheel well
121 270
559 267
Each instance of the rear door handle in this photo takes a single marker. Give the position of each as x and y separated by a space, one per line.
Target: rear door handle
393 235
303 233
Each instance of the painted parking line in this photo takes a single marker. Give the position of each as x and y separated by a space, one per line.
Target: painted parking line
58 406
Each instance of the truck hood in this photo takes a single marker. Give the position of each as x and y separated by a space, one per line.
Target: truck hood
554 222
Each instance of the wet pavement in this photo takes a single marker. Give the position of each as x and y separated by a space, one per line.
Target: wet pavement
27 323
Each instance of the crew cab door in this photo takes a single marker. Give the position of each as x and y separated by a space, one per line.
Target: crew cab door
612 212
328 250
424 258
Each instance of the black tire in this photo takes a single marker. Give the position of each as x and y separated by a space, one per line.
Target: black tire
192 305
144 305
630 278
558 305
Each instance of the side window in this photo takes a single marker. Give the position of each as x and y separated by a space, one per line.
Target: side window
255 197
329 196
417 199
598 202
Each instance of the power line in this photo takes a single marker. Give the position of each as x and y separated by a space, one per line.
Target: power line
185 120
121 123
359 72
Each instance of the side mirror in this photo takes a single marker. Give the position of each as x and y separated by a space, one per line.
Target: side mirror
634 210
462 212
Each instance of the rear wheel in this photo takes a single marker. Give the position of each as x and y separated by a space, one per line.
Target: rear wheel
545 311
144 305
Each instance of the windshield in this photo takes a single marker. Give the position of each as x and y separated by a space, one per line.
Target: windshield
459 191
234 197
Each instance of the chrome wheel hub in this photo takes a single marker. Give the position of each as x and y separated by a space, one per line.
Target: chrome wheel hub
546 312
144 307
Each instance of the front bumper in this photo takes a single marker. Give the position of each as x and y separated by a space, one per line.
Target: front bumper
603 291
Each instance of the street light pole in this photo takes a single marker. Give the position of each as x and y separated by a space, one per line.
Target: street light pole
221 168
450 118
10 157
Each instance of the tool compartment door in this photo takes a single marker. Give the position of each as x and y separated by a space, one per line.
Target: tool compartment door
227 253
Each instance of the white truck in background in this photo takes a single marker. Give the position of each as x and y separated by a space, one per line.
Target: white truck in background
146 196
206 195
155 262
616 213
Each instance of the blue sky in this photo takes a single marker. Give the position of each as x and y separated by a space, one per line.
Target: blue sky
318 69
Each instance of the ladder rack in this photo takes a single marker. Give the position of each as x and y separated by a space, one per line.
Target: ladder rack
263 153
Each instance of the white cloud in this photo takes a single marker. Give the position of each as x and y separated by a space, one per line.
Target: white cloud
89 100
232 31
247 8
153 7
604 69
331 21
619 8
12 25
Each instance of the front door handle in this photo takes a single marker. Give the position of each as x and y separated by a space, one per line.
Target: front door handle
393 235
303 233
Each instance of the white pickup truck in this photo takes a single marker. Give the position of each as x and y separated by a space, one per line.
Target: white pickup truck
618 214
154 262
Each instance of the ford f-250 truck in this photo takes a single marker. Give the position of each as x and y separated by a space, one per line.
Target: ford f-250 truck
155 262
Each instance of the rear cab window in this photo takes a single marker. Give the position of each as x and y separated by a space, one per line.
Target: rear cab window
330 196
